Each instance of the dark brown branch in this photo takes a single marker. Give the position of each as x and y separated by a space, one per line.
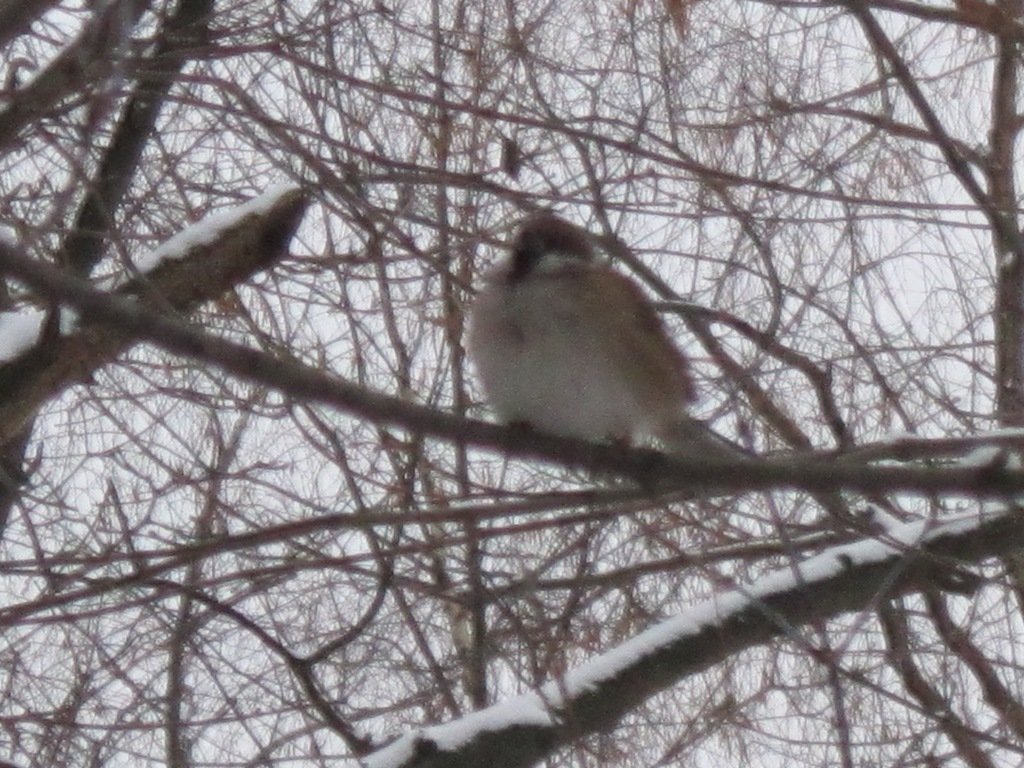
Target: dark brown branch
180 37
68 74
90 58
17 15
901 656
207 272
810 472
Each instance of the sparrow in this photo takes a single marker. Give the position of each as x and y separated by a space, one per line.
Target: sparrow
565 344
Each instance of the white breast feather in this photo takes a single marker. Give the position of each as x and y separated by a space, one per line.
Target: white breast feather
541 359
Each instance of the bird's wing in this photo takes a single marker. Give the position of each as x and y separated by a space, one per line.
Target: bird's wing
636 336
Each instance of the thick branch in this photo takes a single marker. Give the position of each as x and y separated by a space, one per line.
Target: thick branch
594 697
179 40
250 245
812 472
17 15
92 57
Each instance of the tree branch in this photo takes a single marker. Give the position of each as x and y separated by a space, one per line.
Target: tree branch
17 15
251 244
112 320
92 57
595 696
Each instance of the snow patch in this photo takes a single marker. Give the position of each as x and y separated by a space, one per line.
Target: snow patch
19 331
525 710
982 456
210 227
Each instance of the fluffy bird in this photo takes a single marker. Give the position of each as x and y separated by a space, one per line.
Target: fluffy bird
565 344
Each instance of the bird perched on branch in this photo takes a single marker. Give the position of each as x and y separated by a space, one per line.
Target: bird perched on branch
567 345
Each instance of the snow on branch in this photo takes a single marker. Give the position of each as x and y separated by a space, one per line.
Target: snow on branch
197 265
594 696
212 227
19 332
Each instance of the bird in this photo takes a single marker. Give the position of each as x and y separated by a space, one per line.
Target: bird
565 344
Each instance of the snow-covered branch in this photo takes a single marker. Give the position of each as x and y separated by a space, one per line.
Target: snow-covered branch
594 696
197 265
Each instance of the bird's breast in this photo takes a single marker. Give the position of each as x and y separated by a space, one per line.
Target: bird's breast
544 357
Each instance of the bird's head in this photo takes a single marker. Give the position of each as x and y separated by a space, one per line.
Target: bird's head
545 240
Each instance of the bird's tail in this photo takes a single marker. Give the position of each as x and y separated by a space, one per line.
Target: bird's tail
693 439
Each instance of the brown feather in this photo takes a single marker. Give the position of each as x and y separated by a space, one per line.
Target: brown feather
632 330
